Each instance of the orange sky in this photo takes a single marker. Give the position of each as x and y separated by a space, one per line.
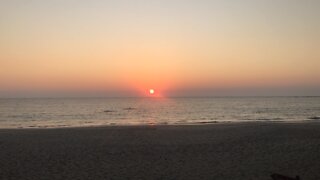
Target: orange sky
176 47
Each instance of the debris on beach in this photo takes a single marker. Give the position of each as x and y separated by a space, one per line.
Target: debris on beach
276 176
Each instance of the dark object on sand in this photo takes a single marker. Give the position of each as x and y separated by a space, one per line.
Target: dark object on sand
276 176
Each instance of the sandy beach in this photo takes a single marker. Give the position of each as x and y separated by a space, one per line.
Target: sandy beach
218 151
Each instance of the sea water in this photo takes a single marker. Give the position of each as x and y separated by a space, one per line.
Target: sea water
78 112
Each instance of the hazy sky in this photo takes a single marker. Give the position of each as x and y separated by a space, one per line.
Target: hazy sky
178 47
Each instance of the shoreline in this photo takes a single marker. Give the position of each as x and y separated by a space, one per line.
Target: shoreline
170 125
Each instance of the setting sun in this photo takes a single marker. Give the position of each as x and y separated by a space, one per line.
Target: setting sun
151 91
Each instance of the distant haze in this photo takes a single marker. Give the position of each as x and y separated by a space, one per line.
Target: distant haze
177 47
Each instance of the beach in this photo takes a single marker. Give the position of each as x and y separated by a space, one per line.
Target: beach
211 151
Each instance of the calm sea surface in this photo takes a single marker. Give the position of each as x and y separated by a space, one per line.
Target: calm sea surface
33 113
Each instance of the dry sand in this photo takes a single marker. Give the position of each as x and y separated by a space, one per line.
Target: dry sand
219 151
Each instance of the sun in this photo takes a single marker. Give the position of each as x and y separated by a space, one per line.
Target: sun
151 91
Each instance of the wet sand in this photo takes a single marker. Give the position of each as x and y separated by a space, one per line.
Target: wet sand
218 151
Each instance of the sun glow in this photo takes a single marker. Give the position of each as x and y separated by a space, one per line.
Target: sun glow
151 91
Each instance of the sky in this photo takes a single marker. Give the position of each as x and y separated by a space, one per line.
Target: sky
177 47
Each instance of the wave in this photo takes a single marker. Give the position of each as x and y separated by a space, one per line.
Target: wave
314 118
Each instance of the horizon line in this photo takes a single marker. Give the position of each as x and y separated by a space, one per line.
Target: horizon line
106 97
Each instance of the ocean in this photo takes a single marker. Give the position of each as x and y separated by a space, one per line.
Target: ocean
83 112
